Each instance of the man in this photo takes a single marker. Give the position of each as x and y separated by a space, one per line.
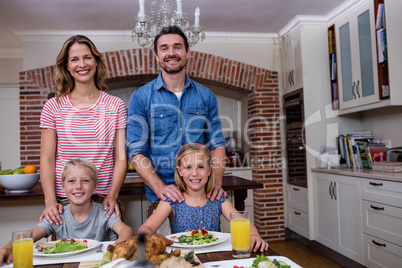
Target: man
169 112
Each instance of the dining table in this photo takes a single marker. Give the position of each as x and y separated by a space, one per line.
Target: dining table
216 255
203 257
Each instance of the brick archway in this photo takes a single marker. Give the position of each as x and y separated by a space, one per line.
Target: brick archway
261 85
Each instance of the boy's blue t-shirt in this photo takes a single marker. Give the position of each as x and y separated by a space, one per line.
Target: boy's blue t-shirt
96 226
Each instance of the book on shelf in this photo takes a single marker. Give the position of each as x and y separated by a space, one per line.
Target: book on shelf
358 132
380 21
333 67
381 46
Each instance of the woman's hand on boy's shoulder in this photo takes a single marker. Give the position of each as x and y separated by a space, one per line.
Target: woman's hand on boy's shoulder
52 213
258 244
112 205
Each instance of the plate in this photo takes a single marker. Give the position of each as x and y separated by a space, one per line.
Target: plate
248 262
91 245
222 237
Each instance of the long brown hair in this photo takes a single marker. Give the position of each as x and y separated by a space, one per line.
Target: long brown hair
63 80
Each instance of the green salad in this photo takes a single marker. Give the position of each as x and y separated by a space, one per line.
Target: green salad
261 258
197 237
66 245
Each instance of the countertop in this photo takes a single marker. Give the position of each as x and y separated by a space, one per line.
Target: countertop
133 185
362 173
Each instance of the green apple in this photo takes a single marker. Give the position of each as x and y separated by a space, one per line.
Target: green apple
18 171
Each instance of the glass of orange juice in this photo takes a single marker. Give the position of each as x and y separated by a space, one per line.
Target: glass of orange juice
22 249
240 234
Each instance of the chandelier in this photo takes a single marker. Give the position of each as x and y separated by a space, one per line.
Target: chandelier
162 14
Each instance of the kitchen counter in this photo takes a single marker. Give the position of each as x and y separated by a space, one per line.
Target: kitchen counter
133 185
362 173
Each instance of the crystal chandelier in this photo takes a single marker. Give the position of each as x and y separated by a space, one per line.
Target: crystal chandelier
164 14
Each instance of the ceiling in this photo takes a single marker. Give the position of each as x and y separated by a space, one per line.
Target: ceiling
251 16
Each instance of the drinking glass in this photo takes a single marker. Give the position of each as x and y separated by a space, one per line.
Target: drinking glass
240 233
22 249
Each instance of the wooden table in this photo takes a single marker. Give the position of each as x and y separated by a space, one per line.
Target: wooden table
136 187
204 257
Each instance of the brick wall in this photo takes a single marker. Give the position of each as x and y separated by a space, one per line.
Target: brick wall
263 129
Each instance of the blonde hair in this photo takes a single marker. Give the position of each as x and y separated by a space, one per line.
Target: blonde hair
188 149
63 80
82 163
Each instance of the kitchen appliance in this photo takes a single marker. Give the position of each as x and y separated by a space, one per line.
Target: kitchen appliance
394 154
233 155
296 151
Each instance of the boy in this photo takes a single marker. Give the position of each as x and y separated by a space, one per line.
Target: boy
81 218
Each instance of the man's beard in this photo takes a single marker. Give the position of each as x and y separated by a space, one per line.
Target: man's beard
175 71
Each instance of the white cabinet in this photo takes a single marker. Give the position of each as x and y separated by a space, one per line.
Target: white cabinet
337 207
356 56
292 58
382 222
297 210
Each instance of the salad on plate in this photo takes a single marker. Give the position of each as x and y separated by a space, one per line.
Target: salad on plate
196 237
62 246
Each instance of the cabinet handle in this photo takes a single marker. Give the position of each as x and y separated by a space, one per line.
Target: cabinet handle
353 90
357 88
297 213
375 184
330 192
378 244
296 189
333 190
376 208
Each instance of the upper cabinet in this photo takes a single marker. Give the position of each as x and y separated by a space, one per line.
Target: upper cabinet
364 76
356 55
292 58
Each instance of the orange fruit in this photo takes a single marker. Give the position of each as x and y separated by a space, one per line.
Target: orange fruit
30 169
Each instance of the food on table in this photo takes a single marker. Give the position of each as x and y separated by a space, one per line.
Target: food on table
262 261
187 261
30 169
63 245
155 249
18 171
6 172
196 237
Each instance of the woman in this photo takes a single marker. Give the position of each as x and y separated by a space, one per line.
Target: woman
82 121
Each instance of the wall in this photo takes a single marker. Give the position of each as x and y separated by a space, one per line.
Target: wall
385 124
42 53
9 112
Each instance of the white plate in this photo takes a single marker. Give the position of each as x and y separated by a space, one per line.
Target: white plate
222 237
247 262
91 245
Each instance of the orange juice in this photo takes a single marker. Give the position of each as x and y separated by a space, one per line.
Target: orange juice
23 253
240 229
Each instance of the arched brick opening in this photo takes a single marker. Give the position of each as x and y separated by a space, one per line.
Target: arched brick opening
263 128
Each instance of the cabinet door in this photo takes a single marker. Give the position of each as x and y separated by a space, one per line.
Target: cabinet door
356 48
326 225
338 223
292 58
350 237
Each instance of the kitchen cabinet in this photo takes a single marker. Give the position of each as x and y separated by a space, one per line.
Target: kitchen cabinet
382 218
337 209
292 58
356 57
297 210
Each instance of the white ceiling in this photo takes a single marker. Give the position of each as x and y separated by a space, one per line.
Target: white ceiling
252 16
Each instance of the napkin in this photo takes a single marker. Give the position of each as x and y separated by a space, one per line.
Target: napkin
90 255
205 248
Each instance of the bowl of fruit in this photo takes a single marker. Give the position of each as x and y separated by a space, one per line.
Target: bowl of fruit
19 180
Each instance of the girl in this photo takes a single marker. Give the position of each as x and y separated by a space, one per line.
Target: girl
82 121
194 177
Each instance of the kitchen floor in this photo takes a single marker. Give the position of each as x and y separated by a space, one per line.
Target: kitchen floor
300 254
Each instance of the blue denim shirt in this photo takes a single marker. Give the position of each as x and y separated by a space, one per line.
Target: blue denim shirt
159 124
